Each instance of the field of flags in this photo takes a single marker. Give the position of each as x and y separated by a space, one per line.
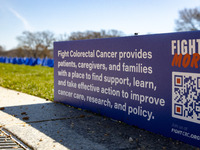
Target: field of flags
28 61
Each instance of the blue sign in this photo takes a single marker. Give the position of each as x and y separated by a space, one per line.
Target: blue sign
150 81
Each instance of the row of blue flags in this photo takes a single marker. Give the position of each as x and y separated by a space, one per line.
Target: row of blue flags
28 61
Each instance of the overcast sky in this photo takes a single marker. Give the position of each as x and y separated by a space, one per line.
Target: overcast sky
66 16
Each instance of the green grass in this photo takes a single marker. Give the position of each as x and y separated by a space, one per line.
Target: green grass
34 80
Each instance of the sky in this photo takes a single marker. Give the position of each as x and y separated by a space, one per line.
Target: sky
67 16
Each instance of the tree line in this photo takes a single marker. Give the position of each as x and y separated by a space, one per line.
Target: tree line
40 44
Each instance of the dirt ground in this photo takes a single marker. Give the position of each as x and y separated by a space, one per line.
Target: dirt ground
115 135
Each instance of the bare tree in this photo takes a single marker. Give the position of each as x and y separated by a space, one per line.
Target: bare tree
1 50
113 33
62 37
95 34
36 42
189 20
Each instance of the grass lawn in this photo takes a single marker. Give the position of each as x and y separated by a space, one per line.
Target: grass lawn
33 80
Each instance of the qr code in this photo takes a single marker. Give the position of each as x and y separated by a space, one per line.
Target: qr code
186 96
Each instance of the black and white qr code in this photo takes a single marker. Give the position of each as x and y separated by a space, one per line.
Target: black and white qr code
186 96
